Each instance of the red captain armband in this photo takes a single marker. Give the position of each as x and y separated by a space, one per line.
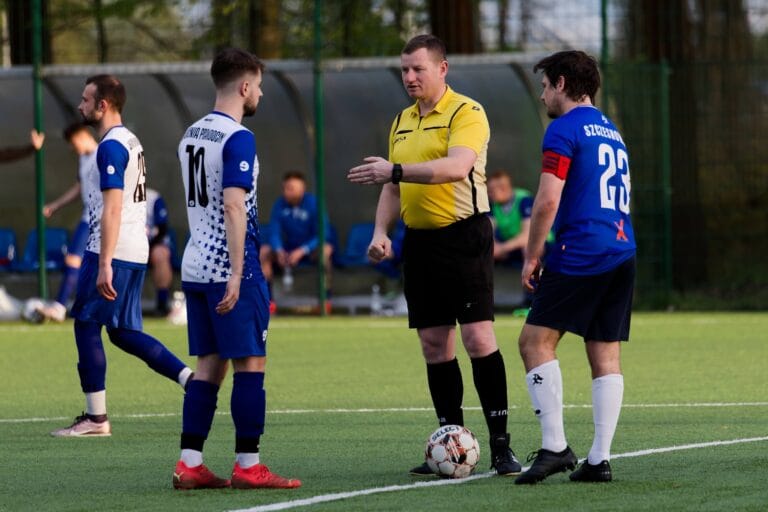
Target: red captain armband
556 164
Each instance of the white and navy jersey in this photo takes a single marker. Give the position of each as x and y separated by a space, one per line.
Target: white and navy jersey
86 163
215 153
119 164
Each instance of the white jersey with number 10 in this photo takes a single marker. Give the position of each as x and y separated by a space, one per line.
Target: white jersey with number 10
217 152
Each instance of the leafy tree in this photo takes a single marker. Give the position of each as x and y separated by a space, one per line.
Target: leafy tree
117 31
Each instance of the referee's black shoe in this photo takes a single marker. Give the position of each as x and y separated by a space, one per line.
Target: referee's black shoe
422 469
547 463
503 459
592 473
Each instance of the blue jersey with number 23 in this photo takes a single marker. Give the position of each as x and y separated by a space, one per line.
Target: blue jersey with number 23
593 231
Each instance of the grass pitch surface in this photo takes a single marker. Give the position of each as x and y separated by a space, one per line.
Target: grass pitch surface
349 412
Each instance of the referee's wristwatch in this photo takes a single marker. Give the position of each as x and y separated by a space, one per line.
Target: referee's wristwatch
397 173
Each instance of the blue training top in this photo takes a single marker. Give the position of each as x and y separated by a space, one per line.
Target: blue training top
295 226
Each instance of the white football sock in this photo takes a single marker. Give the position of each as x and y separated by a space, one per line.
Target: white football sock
96 402
191 458
545 386
184 377
246 460
607 394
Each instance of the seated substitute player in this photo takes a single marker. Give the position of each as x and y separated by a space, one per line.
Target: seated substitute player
160 267
587 282
293 227
112 273
12 154
511 214
227 297
84 145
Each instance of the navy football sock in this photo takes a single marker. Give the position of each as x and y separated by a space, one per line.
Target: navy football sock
68 284
162 300
249 405
149 350
92 362
490 378
198 411
447 390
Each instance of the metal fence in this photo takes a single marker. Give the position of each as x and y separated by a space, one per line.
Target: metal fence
699 179
694 132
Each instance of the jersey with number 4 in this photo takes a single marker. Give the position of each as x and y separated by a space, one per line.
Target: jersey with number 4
215 153
593 231
119 164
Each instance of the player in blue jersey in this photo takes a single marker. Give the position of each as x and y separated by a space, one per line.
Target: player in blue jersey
115 259
585 286
84 145
227 298
160 267
293 230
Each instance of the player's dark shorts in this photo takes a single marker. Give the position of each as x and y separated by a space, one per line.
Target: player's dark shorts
125 310
240 333
596 307
448 273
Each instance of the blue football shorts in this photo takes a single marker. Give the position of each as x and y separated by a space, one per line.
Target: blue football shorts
125 310
595 307
240 333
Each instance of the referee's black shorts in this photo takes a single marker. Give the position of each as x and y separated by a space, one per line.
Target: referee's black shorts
596 307
448 273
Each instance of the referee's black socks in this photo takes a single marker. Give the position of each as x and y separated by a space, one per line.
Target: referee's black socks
490 378
447 391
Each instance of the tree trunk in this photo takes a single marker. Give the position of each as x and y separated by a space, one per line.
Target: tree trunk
20 31
264 34
457 23
222 26
102 44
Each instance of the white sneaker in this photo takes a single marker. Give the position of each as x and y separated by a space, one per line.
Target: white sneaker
178 313
55 311
84 426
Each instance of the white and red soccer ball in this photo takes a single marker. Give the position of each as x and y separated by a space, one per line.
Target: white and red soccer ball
452 451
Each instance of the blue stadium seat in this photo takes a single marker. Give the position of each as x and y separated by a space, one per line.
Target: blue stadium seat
7 248
56 240
356 249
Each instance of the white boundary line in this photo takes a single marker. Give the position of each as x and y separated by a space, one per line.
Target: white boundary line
324 498
391 409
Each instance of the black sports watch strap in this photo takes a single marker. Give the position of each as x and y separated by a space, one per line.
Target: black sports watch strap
397 173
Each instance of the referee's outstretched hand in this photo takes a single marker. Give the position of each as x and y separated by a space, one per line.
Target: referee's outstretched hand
375 171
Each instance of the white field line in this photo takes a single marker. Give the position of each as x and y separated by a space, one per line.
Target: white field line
390 409
324 498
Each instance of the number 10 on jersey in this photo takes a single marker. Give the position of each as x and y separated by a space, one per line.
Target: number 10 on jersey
197 188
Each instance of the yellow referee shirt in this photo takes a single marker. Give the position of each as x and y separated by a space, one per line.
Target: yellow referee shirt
456 120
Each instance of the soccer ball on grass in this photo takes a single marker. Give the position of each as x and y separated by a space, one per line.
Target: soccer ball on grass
452 451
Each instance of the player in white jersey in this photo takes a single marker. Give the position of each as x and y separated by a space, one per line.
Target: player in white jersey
227 298
112 273
84 145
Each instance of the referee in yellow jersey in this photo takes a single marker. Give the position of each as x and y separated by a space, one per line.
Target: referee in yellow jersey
435 180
